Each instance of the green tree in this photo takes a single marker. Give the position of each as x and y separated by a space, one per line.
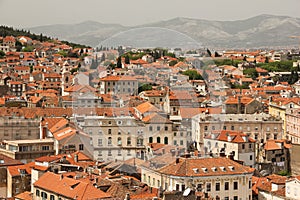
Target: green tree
18 46
193 75
251 72
119 62
173 62
208 52
28 49
127 59
63 53
144 87
2 54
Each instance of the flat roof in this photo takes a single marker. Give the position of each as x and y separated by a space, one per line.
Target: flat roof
16 142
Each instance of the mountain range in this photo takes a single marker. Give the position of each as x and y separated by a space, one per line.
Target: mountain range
256 32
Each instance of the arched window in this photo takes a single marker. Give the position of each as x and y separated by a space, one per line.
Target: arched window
140 141
129 141
166 140
119 141
109 141
150 139
158 139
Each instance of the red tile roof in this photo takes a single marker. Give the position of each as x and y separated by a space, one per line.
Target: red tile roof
69 187
194 167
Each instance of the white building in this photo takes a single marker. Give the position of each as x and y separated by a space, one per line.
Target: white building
221 178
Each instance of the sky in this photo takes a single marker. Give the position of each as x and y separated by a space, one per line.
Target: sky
30 13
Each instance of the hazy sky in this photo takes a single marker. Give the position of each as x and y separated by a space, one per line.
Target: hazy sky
28 13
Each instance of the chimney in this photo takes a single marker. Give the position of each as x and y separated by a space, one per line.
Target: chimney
44 131
163 151
177 160
61 177
76 158
173 152
239 105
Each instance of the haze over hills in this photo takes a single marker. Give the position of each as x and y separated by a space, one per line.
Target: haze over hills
259 31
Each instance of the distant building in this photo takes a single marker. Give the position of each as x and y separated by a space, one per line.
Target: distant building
119 85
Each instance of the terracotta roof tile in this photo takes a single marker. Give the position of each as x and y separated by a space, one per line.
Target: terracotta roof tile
194 167
69 187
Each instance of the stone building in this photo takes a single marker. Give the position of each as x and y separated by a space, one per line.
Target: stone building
17 128
220 178
260 127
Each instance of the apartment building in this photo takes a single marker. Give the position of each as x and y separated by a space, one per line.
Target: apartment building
220 178
119 85
232 143
14 127
117 133
27 150
260 127
292 117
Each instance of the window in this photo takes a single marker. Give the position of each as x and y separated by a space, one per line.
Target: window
128 152
44 195
224 127
99 153
99 142
81 147
45 148
158 128
250 185
175 142
181 142
205 128
166 140
150 139
119 152
226 186
182 187
158 183
232 128
150 128
158 139
208 187
166 128
250 146
235 198
213 128
235 185
128 141
226 198
175 134
217 186
109 153
177 187
37 193
109 141
251 157
243 146
119 141
52 197
109 131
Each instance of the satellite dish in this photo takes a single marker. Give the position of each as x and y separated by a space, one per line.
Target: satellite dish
186 192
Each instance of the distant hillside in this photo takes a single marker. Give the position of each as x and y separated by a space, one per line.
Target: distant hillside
10 31
259 31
